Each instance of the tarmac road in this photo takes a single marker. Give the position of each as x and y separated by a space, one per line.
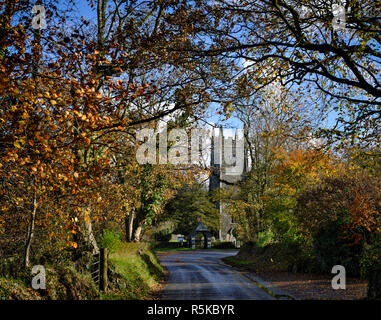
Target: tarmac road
199 275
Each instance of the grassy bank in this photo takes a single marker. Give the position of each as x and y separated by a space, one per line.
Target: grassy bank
272 258
62 283
134 273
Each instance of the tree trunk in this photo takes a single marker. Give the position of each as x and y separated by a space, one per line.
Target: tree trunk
138 232
89 235
101 16
36 49
130 225
30 233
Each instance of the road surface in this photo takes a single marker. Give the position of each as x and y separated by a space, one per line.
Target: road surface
199 275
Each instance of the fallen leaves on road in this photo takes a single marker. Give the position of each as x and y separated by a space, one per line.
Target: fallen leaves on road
316 287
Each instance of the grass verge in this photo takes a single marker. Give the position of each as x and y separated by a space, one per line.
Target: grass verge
135 273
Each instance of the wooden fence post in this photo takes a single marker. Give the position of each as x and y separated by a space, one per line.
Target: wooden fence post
103 269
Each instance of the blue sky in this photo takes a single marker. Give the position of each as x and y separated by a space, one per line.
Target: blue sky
85 10
82 8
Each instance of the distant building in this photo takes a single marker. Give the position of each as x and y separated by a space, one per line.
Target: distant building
225 173
206 242
177 237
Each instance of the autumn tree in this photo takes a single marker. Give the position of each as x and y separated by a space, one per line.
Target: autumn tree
72 100
271 122
190 203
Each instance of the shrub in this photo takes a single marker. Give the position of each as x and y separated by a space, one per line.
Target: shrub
331 249
265 238
374 288
110 239
276 257
223 245
163 235
370 264
167 245
11 267
370 257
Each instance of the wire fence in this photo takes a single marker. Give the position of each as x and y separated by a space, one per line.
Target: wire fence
96 268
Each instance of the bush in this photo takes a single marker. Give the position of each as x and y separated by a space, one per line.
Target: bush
167 245
374 277
331 249
163 235
223 245
265 238
11 267
276 257
370 264
110 239
370 257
